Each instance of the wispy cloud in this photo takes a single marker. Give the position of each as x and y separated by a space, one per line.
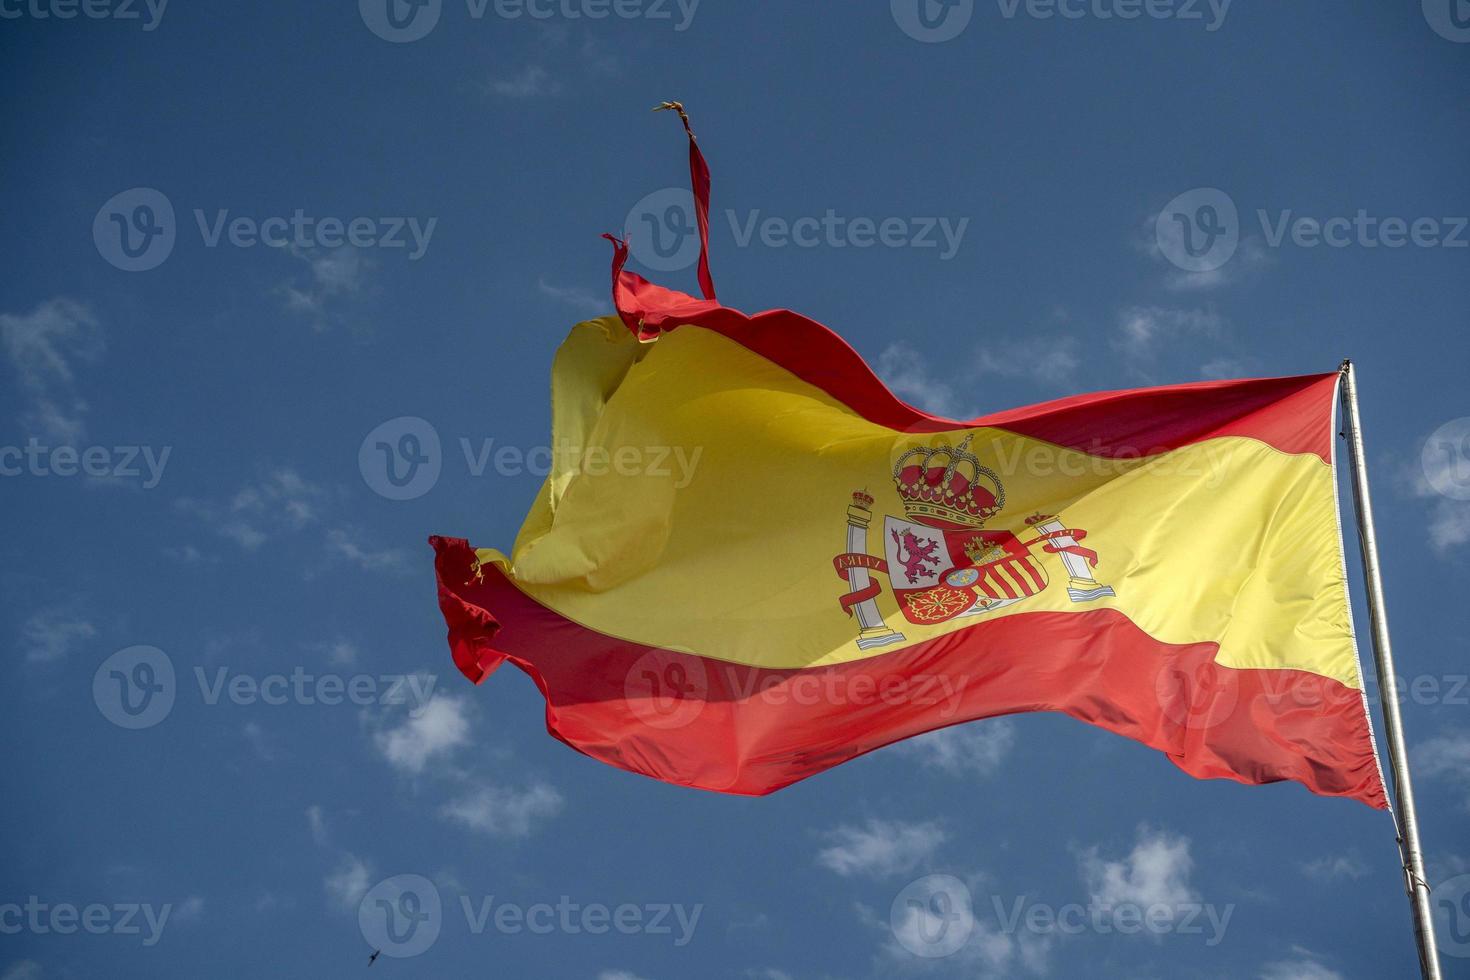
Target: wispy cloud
504 812
331 274
44 348
23 970
976 748
1048 360
1143 331
317 821
190 909
581 300
348 543
1446 758
348 882
908 374
1449 517
53 633
1303 965
530 82
1335 868
880 848
281 501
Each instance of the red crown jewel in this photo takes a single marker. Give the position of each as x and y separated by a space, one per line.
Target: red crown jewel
946 486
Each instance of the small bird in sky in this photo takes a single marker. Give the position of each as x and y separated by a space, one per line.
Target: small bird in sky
373 959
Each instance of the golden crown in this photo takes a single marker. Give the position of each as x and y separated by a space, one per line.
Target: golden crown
946 486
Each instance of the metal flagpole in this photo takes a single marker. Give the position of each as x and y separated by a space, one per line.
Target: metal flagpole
1403 790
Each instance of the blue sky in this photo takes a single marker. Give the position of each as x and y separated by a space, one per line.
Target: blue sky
215 391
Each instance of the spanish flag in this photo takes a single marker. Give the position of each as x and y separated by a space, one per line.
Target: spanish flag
751 562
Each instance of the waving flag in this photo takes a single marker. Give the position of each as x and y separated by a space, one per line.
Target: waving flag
751 562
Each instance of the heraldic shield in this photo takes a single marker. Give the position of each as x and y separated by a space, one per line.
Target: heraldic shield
941 560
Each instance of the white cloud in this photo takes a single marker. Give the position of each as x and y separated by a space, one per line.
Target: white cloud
22 970
333 274
1155 872
1224 369
282 501
348 543
318 824
531 82
1449 525
910 378
441 726
1335 867
43 347
1449 519
1300 968
504 812
1446 758
581 300
1251 256
618 975
988 953
1143 330
976 748
880 848
348 883
339 651
51 634
255 734
190 909
1045 360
